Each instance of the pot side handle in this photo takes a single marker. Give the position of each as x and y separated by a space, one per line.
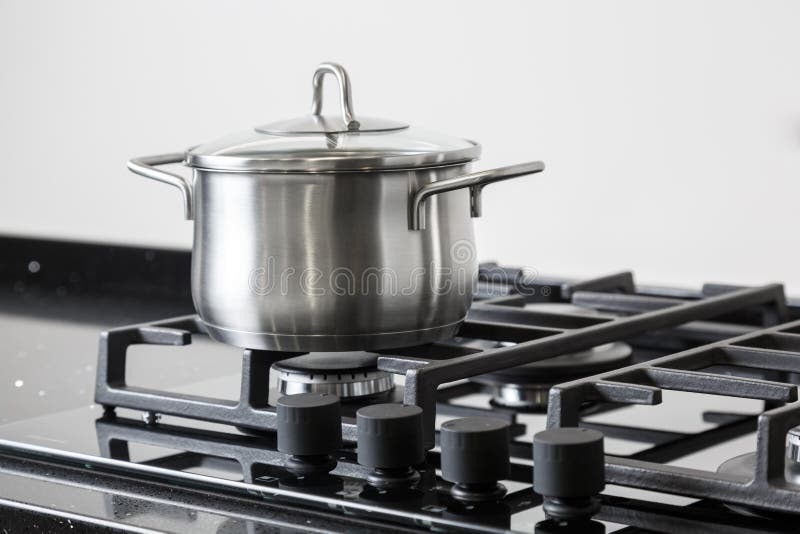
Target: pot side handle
146 166
475 181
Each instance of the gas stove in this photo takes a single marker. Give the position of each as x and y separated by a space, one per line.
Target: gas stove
646 409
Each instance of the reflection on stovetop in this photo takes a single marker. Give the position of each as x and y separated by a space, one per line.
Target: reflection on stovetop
218 451
213 450
254 460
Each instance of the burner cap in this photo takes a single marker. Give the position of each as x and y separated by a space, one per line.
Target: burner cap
347 375
744 466
555 370
527 386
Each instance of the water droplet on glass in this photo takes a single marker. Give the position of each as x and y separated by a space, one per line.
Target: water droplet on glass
34 266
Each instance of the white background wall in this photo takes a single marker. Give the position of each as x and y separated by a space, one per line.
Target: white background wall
671 130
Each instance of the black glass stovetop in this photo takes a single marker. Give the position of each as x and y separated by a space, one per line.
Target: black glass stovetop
59 452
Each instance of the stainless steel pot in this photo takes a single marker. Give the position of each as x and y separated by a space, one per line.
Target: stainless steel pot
332 233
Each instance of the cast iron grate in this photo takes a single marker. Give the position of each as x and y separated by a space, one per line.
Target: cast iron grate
720 325
775 350
535 335
540 335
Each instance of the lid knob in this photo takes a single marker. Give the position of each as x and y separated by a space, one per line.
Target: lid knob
317 123
345 96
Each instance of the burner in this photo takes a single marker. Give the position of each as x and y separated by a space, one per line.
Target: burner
744 466
348 375
527 386
793 447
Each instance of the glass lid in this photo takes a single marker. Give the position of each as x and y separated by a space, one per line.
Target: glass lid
320 143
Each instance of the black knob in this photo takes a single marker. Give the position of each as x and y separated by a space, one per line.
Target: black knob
568 470
309 424
390 442
475 456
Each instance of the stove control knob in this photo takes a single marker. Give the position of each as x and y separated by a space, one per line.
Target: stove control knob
390 442
475 456
569 471
309 429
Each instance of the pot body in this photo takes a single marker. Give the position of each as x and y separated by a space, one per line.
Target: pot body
326 261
